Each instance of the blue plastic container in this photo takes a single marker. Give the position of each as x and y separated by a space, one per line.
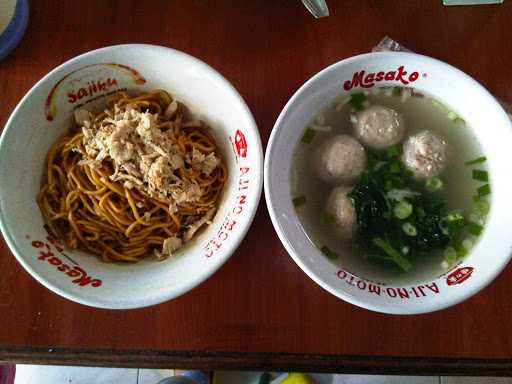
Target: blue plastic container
12 35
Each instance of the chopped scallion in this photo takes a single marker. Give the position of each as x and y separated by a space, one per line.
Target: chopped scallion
454 218
450 255
437 104
478 160
402 210
298 201
467 244
434 184
409 229
452 115
459 121
461 251
480 175
480 207
329 253
484 190
474 228
308 136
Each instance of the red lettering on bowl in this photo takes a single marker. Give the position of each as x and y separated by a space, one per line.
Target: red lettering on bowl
368 80
459 275
90 89
240 144
79 276
399 293
230 220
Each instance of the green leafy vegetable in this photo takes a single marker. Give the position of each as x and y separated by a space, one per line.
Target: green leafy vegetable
395 168
393 254
308 136
394 151
478 160
357 100
400 219
384 197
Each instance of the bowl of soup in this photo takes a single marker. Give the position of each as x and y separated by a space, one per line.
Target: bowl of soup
128 176
386 180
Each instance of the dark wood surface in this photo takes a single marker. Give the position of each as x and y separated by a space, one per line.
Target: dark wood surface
259 309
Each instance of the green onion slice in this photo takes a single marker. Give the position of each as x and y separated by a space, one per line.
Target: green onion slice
480 207
474 228
308 136
298 201
409 229
484 190
328 252
480 175
402 210
450 255
478 160
434 184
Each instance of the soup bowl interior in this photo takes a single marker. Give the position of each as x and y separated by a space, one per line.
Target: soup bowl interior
463 95
45 113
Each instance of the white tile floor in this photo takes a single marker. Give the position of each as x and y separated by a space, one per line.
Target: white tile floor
39 374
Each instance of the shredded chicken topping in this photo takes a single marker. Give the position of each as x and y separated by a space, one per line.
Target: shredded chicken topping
146 156
143 154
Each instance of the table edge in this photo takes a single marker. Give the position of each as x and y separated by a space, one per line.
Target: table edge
258 361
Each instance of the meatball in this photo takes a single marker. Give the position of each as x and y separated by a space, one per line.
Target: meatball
340 207
379 127
425 154
339 159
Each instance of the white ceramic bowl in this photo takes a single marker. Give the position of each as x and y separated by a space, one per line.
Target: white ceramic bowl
467 98
44 114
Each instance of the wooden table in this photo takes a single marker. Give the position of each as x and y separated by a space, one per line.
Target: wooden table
260 311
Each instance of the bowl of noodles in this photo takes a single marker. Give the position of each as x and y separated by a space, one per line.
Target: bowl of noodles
128 176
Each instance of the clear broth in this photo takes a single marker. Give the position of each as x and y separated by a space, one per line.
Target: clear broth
420 112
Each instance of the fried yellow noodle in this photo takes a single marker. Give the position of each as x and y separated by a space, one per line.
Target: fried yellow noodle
120 219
